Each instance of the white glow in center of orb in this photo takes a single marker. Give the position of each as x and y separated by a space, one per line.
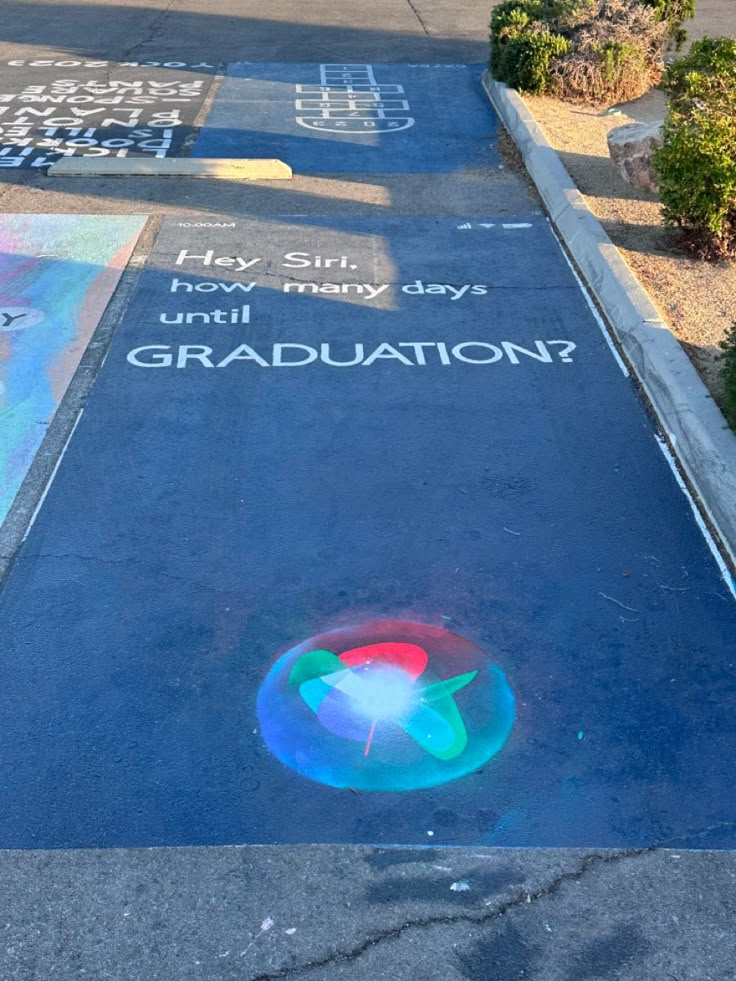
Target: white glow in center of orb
379 691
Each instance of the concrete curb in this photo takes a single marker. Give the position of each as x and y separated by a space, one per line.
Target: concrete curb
224 169
704 445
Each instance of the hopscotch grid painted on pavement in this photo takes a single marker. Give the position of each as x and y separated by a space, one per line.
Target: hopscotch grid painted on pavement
349 99
294 111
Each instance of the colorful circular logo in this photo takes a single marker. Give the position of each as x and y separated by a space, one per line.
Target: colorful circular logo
387 705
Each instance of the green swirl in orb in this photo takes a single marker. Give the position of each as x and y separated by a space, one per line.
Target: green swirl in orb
382 706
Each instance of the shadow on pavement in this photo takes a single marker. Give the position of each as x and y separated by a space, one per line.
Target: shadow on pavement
188 35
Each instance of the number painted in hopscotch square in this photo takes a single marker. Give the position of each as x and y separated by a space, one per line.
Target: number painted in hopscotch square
349 100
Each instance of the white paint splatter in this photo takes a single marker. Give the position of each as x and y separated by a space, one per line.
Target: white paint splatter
265 927
460 887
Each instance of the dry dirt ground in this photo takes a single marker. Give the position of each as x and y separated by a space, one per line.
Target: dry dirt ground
697 298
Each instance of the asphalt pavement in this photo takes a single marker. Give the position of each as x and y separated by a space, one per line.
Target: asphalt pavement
444 436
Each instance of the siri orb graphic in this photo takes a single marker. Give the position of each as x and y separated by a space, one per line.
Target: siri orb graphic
387 705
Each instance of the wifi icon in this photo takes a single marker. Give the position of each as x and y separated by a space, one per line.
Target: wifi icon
464 227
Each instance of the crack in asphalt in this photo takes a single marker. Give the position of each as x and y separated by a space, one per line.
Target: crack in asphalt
153 31
416 14
525 898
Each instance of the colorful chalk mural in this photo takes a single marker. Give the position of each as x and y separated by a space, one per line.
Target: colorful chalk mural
385 705
57 274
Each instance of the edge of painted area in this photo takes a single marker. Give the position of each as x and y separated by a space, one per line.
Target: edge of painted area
242 169
695 426
71 264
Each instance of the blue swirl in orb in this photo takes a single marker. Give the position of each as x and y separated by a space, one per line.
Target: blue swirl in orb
386 705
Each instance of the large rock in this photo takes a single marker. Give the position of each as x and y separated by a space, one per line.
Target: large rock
631 148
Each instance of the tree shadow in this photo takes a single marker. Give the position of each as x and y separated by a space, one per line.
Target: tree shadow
604 956
598 177
435 888
507 955
194 35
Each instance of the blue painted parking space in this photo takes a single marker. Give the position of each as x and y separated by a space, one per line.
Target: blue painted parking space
353 117
365 536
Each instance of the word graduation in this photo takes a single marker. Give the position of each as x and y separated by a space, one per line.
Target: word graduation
344 355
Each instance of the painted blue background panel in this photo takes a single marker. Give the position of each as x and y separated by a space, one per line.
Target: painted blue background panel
353 118
206 520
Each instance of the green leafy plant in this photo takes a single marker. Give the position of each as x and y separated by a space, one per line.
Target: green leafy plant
708 70
673 13
528 58
522 45
599 51
566 15
604 73
728 346
696 166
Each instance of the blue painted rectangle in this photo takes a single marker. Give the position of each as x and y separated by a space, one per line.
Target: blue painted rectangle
484 469
353 118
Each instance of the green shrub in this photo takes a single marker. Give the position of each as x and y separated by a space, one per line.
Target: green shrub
613 72
527 58
675 11
728 346
696 166
508 20
619 60
522 46
566 15
599 51
707 70
623 68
